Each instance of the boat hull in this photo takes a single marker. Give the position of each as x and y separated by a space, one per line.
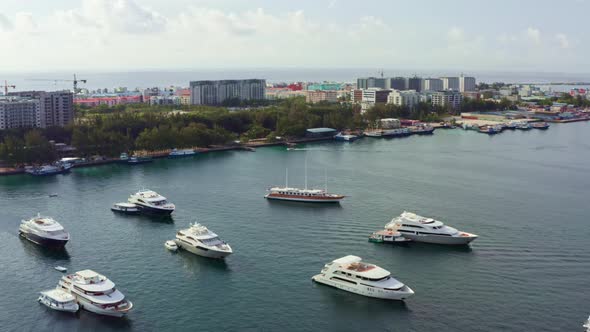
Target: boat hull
154 211
368 291
176 156
303 199
203 252
86 305
70 308
125 211
440 239
43 241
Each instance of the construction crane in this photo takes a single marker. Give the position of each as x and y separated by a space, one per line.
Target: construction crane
75 81
6 86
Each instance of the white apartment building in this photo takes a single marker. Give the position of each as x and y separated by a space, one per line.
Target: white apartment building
409 98
466 83
447 99
19 112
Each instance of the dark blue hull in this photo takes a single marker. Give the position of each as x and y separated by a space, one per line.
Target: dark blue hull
154 211
46 242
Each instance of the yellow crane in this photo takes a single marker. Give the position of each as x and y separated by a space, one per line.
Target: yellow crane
75 81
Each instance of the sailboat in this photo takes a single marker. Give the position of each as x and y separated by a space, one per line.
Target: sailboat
307 195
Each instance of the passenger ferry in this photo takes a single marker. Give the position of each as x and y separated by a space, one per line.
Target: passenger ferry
349 273
199 240
44 231
149 201
423 229
96 293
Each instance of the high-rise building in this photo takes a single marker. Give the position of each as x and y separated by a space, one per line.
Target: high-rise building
216 92
450 83
447 99
466 83
398 83
319 96
373 82
432 84
415 83
56 108
19 112
409 98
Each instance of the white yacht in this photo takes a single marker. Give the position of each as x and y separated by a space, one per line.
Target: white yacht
201 241
423 229
349 273
58 299
151 202
96 293
44 231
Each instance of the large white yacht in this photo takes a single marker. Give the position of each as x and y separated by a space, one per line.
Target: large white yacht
423 229
44 231
201 241
96 293
349 273
149 201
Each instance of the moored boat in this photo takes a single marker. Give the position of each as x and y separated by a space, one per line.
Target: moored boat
199 240
388 236
125 207
540 125
523 125
345 137
423 229
490 130
422 130
175 153
44 231
45 170
349 273
58 299
137 160
150 202
171 245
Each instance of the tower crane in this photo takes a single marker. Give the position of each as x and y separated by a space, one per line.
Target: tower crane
75 81
6 86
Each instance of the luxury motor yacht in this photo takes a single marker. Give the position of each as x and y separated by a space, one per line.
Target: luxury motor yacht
44 231
349 273
96 293
423 229
201 241
148 201
58 299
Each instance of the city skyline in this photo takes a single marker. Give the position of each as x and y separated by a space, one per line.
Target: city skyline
181 34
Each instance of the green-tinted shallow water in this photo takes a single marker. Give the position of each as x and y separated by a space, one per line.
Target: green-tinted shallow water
525 193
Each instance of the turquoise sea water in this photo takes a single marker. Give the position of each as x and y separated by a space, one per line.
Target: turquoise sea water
525 193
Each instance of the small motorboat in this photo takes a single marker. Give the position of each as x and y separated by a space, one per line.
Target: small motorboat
124 207
171 245
59 300
388 236
61 268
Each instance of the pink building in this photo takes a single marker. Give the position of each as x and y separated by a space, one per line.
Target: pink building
109 101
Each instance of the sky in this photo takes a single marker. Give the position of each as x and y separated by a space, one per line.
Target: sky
501 35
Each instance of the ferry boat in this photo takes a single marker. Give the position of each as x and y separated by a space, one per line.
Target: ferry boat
96 293
423 229
345 137
181 153
44 231
126 208
349 273
306 195
540 125
199 240
388 236
45 170
149 201
58 299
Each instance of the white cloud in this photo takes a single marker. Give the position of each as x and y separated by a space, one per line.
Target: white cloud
5 24
533 35
562 40
332 3
455 34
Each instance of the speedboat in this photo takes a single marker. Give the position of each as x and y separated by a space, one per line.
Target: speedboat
388 237
201 241
345 137
423 229
126 208
349 273
44 231
58 299
148 201
171 245
96 293
60 268
175 153
45 170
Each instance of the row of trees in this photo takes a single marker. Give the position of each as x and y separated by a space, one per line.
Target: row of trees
124 128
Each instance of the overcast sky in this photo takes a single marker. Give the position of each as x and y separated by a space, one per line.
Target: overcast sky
503 35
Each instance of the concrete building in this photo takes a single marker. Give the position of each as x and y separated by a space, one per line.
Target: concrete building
373 82
409 98
216 92
19 112
398 83
447 99
165 100
415 83
466 83
321 96
56 108
375 96
325 86
432 84
112 100
356 96
450 83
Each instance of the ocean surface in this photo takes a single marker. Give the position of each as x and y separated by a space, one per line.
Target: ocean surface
146 79
525 193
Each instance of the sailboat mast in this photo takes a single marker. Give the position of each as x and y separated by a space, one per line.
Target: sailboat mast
306 172
286 178
326 179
